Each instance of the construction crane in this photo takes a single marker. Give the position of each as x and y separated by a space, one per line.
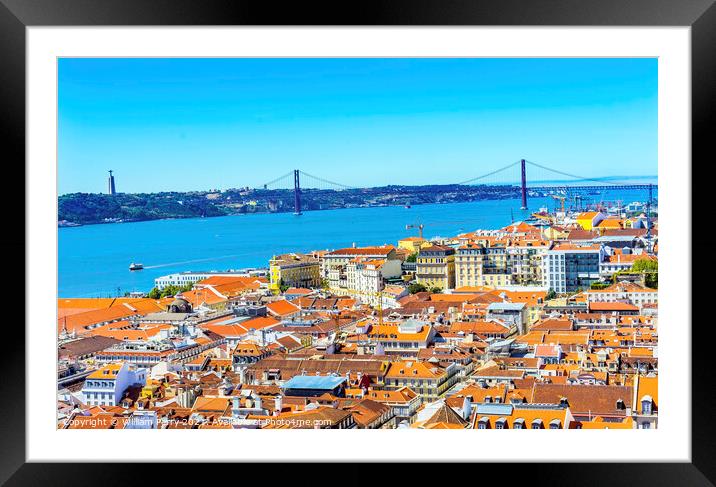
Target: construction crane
561 199
418 226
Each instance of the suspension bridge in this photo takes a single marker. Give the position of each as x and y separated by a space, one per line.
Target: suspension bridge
543 179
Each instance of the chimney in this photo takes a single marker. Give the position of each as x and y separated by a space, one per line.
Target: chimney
278 404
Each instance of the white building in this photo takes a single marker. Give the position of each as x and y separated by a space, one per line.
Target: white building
568 268
365 278
631 292
190 277
105 386
619 260
334 265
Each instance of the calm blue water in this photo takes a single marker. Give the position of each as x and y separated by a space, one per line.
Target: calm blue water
94 259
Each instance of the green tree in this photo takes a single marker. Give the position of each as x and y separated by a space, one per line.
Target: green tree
649 269
551 294
645 265
170 290
412 257
283 287
436 290
416 287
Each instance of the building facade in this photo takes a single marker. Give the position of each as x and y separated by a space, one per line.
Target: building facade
105 386
295 270
570 268
435 267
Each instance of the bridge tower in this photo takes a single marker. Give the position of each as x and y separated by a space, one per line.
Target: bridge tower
648 216
524 185
296 193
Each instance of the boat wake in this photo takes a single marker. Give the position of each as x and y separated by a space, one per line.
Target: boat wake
171 264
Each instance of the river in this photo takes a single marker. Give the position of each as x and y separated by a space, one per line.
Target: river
94 259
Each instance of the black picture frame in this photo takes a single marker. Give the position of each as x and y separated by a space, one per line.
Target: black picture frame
700 15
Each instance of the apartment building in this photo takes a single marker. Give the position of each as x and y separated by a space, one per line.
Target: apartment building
334 265
105 386
569 267
295 270
435 267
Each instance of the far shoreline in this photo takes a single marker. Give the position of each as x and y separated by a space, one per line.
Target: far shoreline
276 212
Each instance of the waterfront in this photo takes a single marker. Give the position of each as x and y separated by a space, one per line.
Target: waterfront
94 259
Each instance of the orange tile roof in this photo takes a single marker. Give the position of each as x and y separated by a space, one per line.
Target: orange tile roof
282 308
260 322
391 333
144 333
363 251
415 369
212 404
611 306
610 223
107 372
80 322
402 395
478 327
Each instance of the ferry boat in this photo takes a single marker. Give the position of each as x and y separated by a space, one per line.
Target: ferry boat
136 267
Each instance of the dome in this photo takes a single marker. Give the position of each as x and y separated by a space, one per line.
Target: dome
180 305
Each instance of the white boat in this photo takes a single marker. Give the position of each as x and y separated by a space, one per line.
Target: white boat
136 267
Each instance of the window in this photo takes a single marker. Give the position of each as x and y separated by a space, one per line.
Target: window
646 406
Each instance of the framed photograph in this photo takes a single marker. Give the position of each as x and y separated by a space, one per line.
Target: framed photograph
246 226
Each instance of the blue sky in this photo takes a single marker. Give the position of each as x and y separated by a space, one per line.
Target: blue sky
196 124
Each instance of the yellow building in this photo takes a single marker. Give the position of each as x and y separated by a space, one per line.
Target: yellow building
435 267
589 219
555 233
296 270
413 244
152 389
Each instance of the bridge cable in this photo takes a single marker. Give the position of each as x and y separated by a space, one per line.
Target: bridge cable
600 181
468 181
277 179
326 181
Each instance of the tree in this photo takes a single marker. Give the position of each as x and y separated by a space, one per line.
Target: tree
645 265
436 290
551 294
649 269
283 287
170 290
416 287
412 257
599 285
